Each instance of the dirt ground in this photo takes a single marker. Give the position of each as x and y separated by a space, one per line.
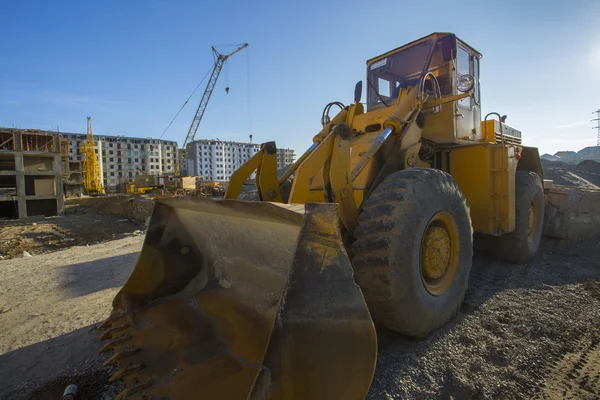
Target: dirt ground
528 331
43 235
584 175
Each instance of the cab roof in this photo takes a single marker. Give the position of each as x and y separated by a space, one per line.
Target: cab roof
435 36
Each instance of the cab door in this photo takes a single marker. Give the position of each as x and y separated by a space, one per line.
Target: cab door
468 110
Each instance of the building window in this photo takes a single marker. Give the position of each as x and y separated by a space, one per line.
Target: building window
136 160
112 174
111 159
129 160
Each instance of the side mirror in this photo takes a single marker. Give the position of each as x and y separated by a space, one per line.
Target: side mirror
358 91
503 118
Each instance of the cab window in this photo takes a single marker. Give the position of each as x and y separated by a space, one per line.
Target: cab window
463 66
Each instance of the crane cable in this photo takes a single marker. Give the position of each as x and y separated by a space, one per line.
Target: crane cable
182 107
249 92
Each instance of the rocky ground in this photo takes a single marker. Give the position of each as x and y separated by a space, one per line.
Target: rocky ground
523 332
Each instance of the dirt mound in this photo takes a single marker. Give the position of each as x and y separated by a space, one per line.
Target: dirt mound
131 207
590 166
548 163
564 177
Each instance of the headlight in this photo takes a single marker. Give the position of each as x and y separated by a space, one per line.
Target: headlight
465 83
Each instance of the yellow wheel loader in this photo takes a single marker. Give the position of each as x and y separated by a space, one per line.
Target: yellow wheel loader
276 298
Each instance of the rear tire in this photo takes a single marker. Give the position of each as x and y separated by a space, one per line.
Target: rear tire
521 245
413 250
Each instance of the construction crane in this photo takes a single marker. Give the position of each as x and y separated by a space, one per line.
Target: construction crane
219 62
92 181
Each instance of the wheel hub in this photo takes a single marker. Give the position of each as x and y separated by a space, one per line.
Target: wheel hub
436 252
440 249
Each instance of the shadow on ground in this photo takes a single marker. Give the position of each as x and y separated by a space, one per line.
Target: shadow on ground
85 278
74 354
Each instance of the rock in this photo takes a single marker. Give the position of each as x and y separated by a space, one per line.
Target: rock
25 254
572 214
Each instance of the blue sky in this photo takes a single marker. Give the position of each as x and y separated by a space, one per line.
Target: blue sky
131 64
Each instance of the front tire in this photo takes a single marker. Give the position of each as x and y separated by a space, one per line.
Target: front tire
413 250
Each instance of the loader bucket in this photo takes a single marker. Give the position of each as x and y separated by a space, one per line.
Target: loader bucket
241 300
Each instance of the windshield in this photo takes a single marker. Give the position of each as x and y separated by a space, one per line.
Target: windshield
400 70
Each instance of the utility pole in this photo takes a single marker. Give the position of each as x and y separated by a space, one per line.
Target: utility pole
597 127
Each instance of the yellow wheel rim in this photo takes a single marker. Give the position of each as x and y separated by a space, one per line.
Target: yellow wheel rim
532 220
440 249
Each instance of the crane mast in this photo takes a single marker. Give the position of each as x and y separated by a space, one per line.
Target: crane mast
219 62
92 181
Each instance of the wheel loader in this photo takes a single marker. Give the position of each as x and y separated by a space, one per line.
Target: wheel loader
276 298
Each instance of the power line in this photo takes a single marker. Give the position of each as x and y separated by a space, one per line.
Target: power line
597 119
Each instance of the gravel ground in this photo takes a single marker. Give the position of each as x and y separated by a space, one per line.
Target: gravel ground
523 331
520 333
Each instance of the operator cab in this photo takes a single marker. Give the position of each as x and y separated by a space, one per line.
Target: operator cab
455 66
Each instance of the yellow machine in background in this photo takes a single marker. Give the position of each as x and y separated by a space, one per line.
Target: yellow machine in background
92 181
275 299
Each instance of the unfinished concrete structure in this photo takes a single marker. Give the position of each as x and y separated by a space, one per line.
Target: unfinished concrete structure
31 172
72 178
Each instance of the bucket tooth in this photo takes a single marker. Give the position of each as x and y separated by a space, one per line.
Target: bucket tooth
109 345
109 321
107 333
121 373
120 355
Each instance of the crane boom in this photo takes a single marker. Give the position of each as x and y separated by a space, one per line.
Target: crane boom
219 62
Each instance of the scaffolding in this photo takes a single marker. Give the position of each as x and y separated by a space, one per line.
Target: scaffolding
92 181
